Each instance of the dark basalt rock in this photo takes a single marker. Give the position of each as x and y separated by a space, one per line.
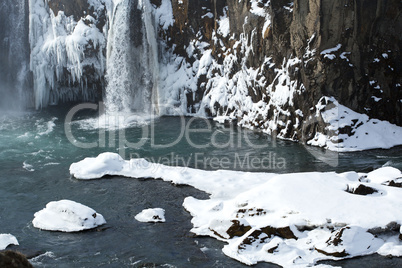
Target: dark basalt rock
391 228
333 254
237 229
76 8
284 232
362 190
29 253
13 259
260 236
395 184
364 29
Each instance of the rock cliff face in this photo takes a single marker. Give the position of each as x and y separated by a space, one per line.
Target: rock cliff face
272 64
284 67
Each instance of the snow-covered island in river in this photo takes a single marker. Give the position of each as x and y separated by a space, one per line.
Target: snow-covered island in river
289 219
315 81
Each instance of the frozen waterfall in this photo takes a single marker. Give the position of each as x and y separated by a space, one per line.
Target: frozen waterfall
49 54
14 54
132 59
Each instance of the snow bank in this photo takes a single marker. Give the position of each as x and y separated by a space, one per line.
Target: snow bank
348 130
289 219
67 216
6 240
151 215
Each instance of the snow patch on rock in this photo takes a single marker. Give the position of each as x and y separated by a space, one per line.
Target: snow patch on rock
348 130
67 216
293 220
151 215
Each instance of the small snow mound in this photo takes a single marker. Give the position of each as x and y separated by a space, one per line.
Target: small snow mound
93 168
384 174
67 216
6 240
151 215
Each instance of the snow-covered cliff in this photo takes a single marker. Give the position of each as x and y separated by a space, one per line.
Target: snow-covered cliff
278 66
282 66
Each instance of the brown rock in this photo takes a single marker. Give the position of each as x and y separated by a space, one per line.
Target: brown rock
237 229
13 259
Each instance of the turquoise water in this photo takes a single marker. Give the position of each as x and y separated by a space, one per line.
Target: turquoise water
35 155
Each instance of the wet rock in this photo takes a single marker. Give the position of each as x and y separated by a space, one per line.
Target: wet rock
27 252
333 254
395 184
237 229
13 259
390 229
361 190
284 232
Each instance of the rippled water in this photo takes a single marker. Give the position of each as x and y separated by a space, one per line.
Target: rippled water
35 155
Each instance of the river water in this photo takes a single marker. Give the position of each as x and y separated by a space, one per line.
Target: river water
36 152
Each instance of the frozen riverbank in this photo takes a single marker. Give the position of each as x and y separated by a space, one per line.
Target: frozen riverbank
289 219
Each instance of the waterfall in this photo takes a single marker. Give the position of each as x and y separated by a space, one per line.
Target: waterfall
132 59
14 55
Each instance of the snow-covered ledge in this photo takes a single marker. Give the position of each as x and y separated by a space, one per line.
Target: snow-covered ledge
289 219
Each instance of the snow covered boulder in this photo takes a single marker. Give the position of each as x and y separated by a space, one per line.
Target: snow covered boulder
384 175
6 240
151 215
67 216
93 168
349 241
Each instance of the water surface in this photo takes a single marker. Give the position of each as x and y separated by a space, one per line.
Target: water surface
35 155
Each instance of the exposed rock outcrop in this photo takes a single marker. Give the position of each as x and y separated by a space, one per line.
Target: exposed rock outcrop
276 59
13 259
273 65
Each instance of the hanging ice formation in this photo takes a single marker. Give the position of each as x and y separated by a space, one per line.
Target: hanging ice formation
67 58
132 59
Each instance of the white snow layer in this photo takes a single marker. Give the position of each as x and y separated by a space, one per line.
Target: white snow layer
365 133
6 240
293 220
151 215
67 216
